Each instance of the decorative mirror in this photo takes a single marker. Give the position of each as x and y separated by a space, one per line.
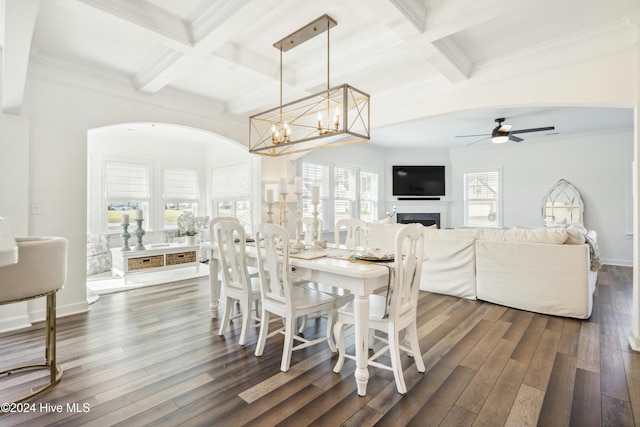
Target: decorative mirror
563 204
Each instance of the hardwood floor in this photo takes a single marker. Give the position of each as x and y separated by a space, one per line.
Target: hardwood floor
153 357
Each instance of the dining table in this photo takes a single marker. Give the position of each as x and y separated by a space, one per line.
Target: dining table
335 266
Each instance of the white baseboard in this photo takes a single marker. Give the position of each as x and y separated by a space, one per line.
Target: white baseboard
15 323
618 262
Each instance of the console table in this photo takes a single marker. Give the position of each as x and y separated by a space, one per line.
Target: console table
156 257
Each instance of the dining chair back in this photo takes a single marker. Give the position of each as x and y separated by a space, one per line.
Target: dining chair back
238 285
352 225
307 227
281 297
395 312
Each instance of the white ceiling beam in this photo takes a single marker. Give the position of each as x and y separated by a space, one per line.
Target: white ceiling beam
414 11
452 62
209 34
19 18
144 15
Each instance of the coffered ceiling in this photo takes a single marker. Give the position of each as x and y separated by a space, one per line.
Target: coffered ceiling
392 49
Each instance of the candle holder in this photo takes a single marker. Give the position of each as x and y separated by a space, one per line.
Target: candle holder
298 245
139 232
316 244
269 212
125 238
283 208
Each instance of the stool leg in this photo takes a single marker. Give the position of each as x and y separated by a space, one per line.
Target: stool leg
51 334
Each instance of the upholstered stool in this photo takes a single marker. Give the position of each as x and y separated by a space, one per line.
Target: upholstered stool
41 271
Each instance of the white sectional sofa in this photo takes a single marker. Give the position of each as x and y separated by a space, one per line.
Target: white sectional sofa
545 270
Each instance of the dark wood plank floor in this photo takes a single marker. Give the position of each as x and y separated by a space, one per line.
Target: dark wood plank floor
153 357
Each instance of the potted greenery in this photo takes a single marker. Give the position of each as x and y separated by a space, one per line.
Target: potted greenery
188 227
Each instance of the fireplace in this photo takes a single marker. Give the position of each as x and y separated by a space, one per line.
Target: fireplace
425 219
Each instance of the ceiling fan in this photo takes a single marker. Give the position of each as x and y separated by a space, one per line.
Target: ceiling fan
503 133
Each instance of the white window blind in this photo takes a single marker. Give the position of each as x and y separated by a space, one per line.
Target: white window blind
231 182
345 183
180 184
315 174
482 198
369 186
127 181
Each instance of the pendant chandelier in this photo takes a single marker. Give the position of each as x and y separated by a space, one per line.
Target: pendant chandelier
336 116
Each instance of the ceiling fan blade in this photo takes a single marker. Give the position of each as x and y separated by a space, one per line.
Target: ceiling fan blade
480 140
515 138
533 130
464 136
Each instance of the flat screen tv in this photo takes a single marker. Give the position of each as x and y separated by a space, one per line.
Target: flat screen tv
419 181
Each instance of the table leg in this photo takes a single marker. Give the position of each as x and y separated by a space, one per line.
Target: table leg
361 312
214 285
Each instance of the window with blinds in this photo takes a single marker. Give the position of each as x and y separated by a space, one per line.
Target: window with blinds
127 188
344 193
231 182
231 193
482 198
315 174
180 189
368 196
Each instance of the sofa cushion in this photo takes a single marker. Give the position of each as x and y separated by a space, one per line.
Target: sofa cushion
554 236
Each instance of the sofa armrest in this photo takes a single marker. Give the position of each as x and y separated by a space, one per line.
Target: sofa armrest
538 277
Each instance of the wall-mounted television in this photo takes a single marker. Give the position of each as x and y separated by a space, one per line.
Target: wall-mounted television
418 181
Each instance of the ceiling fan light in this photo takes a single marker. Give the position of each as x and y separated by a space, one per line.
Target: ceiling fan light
499 139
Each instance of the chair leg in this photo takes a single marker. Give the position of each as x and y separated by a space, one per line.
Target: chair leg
412 334
338 332
264 331
331 320
246 317
289 331
303 324
228 306
394 351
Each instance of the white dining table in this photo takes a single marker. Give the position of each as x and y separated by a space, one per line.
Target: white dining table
361 279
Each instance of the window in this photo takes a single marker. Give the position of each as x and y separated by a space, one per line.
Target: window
482 199
127 189
345 192
315 174
368 196
180 187
230 193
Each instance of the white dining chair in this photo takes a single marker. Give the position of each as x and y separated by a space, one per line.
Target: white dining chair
279 295
307 228
238 285
41 271
394 312
352 225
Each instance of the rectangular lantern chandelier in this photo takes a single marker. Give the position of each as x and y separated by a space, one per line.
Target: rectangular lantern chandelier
336 116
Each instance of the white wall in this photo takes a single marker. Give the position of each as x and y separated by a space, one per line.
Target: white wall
47 161
599 166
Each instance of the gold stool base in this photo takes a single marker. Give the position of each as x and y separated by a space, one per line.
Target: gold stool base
56 375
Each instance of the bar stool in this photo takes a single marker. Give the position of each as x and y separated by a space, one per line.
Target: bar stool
41 271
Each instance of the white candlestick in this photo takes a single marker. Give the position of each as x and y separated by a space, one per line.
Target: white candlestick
298 185
139 214
269 195
315 194
125 219
283 186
